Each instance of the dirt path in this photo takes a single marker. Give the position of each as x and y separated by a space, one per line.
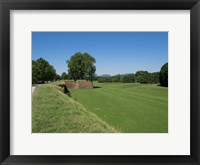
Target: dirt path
33 88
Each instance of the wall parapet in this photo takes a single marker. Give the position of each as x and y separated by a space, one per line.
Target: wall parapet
79 84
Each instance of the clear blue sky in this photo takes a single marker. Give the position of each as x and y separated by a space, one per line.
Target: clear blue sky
115 52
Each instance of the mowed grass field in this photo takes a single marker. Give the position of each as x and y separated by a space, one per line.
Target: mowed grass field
129 108
108 108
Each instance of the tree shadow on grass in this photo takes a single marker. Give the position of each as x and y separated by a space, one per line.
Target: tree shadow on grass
65 90
96 87
162 86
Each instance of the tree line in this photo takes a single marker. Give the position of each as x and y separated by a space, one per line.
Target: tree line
143 77
81 66
139 76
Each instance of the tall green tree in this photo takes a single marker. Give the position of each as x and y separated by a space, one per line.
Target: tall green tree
81 66
163 77
42 71
64 76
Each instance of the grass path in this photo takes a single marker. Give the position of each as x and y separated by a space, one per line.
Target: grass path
53 111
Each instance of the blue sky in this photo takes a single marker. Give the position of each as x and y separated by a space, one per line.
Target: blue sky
115 52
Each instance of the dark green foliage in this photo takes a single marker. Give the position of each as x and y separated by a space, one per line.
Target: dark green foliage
64 76
145 77
125 78
104 79
81 66
35 71
116 78
163 77
128 78
42 71
154 77
142 77
58 77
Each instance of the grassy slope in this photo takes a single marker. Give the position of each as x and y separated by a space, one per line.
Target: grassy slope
138 108
53 111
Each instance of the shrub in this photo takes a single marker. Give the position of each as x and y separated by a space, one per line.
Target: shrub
163 77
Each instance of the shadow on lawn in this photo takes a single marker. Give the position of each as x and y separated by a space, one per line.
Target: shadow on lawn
65 90
96 87
162 86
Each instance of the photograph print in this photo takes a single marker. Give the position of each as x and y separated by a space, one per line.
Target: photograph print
99 82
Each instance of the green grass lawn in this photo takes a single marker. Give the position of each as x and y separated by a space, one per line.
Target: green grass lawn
137 108
110 107
53 111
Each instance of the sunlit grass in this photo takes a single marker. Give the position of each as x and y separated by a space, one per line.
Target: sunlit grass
55 112
131 107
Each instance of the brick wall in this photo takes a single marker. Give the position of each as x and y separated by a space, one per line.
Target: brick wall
79 84
70 83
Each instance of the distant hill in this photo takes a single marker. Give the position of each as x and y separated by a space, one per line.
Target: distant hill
105 75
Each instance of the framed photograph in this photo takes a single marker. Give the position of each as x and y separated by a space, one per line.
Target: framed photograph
102 82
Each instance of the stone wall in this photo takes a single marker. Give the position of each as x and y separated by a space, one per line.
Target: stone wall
79 84
70 83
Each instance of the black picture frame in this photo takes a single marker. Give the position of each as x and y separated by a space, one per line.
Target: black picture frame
7 5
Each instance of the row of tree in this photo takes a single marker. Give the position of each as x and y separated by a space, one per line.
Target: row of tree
140 77
81 66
